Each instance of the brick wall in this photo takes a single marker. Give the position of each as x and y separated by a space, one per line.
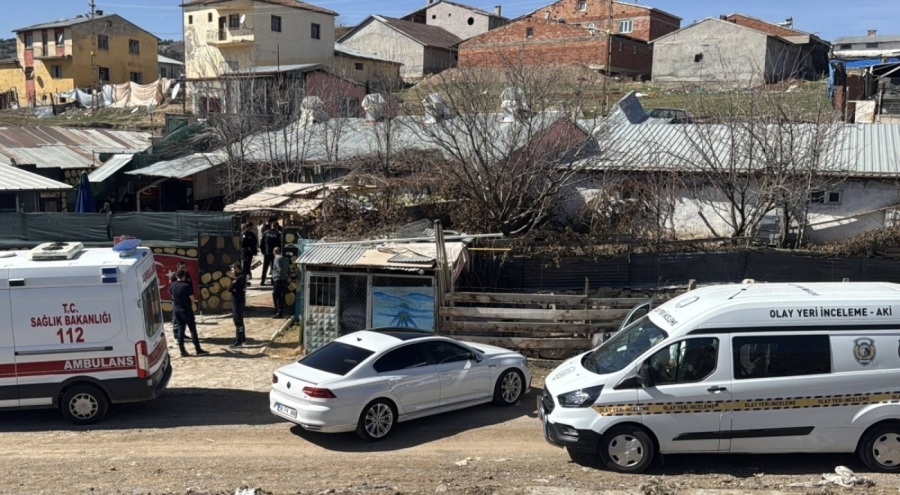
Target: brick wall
647 24
763 26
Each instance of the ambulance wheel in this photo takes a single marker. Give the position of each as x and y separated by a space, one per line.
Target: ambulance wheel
880 448
627 449
84 405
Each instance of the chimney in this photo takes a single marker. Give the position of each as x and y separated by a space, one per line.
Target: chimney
99 12
872 32
497 10
723 17
430 2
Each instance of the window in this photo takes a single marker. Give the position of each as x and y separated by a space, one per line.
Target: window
322 291
164 72
626 26
102 42
336 357
136 77
625 345
684 362
771 356
134 47
29 40
209 17
60 37
406 357
315 31
103 73
871 45
276 23
150 303
698 57
358 66
190 19
234 21
29 73
845 46
56 71
470 21
825 197
433 16
448 352
108 23
349 107
529 32
582 5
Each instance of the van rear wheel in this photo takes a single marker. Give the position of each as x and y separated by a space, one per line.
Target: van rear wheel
880 448
84 405
627 449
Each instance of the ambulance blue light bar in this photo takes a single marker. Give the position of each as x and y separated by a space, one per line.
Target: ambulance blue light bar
127 247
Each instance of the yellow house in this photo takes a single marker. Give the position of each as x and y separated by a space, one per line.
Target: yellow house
243 36
12 82
57 56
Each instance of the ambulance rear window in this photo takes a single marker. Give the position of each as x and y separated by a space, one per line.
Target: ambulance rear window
153 318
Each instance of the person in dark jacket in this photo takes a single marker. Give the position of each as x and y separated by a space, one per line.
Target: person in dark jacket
271 239
249 243
281 272
180 266
238 288
182 294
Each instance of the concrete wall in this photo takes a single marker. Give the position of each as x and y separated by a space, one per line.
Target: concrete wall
381 40
732 55
458 20
294 44
377 74
855 214
12 77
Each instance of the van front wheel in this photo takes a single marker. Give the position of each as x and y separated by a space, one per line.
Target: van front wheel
627 449
84 405
880 448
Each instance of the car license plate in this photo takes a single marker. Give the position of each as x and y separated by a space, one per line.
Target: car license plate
283 409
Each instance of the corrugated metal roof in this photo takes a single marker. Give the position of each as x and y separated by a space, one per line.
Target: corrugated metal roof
14 179
62 147
184 166
410 258
162 59
879 38
63 22
110 167
332 254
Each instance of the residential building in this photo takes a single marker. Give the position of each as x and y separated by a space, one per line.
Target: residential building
377 73
421 48
814 51
462 20
12 83
575 32
717 52
83 52
226 37
873 45
170 68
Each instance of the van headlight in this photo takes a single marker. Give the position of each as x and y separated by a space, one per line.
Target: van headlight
584 397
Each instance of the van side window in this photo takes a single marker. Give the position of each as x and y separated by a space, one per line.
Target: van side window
687 361
770 356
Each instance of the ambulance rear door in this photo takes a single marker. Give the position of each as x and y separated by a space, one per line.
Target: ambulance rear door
9 394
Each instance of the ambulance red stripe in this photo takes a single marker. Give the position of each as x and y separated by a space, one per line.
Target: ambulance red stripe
75 366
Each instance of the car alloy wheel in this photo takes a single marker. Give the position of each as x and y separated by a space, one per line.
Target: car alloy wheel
509 388
376 421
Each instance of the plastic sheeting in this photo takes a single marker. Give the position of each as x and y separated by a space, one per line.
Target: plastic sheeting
125 95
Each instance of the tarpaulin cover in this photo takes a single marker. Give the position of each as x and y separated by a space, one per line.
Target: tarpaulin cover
180 227
124 95
34 228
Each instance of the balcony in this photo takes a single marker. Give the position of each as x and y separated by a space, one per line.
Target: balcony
229 36
50 52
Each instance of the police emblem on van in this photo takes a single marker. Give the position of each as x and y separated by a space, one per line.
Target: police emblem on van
864 351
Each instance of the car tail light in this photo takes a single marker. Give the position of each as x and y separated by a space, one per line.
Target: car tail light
143 361
319 393
274 378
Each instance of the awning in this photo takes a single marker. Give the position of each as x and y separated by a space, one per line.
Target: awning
110 167
185 166
14 179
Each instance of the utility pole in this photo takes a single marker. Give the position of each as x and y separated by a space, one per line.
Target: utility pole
609 49
93 51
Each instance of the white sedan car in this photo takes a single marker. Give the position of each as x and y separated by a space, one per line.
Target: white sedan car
369 380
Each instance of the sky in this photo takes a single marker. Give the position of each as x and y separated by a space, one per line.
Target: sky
828 19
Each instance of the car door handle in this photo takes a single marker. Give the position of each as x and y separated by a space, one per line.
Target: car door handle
716 389
394 379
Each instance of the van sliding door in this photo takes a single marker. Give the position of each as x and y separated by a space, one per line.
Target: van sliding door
9 392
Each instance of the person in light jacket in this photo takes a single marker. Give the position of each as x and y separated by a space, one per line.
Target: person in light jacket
281 272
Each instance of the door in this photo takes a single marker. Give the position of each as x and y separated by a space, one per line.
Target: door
686 394
464 373
9 394
410 378
222 35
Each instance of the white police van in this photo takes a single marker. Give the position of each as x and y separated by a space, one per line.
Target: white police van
749 368
80 329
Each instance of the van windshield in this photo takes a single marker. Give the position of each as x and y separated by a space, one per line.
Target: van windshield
626 345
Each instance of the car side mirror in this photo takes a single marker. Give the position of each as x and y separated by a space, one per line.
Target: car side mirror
645 376
477 357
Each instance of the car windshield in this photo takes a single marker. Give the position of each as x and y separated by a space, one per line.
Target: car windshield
336 357
623 347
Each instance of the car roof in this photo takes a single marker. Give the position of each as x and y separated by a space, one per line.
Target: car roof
378 339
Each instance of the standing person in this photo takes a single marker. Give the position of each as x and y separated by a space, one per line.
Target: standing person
270 240
238 290
182 294
180 266
281 272
249 243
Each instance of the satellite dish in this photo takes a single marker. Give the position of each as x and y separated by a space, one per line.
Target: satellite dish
243 18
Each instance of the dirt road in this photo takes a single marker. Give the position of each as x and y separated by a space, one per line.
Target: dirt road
212 433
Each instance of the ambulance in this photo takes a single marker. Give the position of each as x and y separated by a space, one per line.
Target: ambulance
743 368
80 329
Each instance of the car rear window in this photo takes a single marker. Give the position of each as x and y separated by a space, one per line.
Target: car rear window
336 357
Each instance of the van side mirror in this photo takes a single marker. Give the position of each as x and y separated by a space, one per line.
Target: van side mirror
645 376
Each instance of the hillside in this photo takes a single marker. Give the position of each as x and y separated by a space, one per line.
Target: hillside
7 48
